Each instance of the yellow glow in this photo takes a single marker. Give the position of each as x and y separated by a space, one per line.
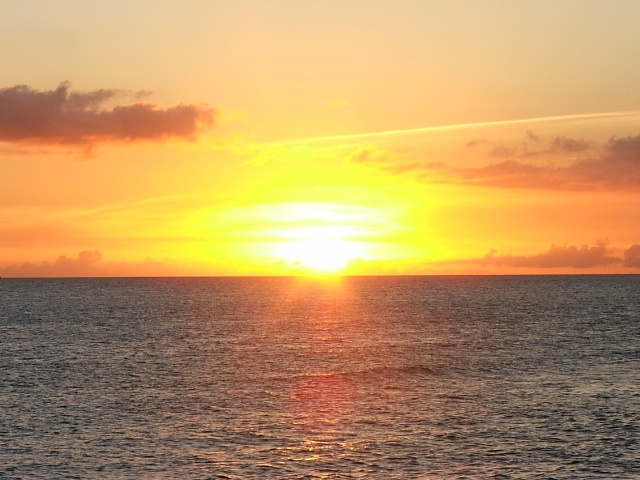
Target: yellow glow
319 250
319 238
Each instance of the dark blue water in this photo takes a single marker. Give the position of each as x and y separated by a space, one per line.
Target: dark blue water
387 377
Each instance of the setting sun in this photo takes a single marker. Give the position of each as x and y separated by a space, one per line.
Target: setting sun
320 254
319 238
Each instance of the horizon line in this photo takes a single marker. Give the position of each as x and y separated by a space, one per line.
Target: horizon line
329 276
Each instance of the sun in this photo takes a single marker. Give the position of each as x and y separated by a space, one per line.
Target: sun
320 255
315 238
318 250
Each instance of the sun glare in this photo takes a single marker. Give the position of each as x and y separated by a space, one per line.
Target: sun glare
323 248
320 255
310 238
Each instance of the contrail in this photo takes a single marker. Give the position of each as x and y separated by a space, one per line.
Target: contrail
388 133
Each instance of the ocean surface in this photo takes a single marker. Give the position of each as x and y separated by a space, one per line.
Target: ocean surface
284 378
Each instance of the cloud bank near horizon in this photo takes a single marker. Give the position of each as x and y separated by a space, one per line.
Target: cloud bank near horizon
558 256
66 117
580 258
88 263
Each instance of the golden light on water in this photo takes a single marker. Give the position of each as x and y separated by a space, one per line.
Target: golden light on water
322 402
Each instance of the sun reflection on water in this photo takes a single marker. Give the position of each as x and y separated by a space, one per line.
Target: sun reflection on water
322 402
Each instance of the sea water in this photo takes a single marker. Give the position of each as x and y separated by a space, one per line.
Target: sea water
357 377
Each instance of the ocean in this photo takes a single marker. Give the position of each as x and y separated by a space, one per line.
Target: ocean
514 377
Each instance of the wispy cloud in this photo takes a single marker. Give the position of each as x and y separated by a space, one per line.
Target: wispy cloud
66 117
556 163
535 146
612 166
368 154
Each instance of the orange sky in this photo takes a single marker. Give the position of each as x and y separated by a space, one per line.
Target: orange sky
279 137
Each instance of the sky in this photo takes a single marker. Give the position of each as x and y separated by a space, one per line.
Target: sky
275 137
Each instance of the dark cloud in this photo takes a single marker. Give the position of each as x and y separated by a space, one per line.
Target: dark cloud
558 257
62 116
85 265
632 256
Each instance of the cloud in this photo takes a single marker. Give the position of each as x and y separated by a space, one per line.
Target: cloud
568 145
476 142
17 150
85 265
558 257
616 167
632 256
374 156
536 146
559 163
90 263
533 137
65 117
368 154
